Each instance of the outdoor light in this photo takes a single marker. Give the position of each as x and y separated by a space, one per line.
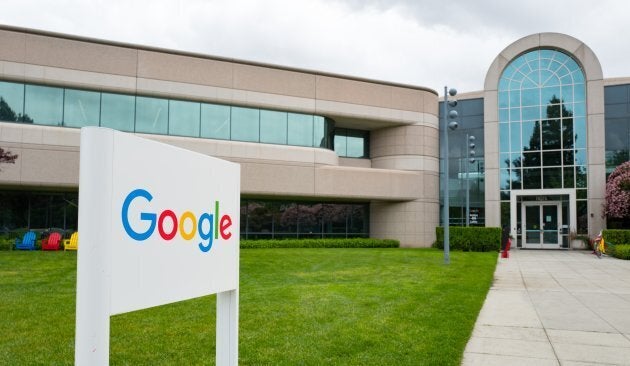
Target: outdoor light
452 125
471 159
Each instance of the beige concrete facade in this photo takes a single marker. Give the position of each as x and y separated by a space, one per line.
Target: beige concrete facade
595 122
400 179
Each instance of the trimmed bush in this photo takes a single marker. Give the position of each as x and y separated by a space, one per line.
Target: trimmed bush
617 236
622 251
320 243
470 239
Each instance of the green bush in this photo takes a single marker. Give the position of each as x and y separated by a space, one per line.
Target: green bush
617 236
470 239
622 251
320 243
6 243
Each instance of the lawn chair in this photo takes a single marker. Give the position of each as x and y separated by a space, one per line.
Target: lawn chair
72 243
51 242
27 242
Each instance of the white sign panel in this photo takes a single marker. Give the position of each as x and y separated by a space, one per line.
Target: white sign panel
158 224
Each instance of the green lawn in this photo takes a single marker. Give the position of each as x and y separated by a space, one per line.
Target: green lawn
297 307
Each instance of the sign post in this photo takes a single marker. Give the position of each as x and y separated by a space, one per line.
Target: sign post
158 224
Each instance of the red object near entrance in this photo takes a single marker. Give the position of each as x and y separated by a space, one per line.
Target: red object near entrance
505 253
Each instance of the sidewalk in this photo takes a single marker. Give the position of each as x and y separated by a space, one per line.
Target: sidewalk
554 308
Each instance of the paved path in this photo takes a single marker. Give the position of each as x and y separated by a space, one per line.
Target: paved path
554 308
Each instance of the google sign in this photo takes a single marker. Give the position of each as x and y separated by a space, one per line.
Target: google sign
159 224
207 225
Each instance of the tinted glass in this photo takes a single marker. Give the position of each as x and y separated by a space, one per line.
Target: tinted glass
355 144
183 118
11 101
152 115
300 131
44 104
319 132
273 127
340 142
215 121
81 108
118 111
245 124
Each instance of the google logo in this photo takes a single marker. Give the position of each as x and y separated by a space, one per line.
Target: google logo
207 226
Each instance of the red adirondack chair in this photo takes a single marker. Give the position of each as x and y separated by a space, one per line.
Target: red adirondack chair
51 242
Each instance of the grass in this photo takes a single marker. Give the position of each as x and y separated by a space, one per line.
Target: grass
297 306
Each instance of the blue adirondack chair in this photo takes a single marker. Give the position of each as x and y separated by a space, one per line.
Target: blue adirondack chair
27 242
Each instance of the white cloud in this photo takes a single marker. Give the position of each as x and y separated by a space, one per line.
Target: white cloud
421 42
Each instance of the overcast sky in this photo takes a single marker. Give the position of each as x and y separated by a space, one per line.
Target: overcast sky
423 42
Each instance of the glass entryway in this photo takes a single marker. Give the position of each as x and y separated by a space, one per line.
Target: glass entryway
542 225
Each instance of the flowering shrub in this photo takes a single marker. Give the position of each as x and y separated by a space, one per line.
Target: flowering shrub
618 192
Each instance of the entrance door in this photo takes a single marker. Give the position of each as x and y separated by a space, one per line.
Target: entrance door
542 221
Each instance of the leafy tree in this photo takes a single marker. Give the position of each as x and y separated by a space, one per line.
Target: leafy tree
617 205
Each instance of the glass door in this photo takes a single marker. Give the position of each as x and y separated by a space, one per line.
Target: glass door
542 223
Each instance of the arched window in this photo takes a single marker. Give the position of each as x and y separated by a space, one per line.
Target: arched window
542 123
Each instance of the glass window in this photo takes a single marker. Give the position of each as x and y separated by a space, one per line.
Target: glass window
552 178
552 158
551 135
12 102
531 97
273 127
505 179
340 141
300 129
215 121
355 144
531 159
568 157
504 141
531 135
183 119
44 104
550 95
152 115
531 113
579 130
81 108
580 157
245 124
568 177
567 133
319 131
531 178
504 160
118 111
503 99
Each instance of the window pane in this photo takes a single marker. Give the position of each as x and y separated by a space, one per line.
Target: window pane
44 104
580 157
552 158
355 144
273 127
504 133
531 159
504 182
245 124
81 108
152 115
300 129
118 111
11 102
551 135
568 177
567 133
552 178
319 131
531 178
504 160
579 130
183 118
215 121
340 141
530 97
531 135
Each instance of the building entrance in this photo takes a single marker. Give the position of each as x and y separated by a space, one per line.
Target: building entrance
542 225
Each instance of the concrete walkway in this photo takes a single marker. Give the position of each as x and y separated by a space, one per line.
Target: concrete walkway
554 308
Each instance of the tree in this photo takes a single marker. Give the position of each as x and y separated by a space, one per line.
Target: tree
617 205
6 157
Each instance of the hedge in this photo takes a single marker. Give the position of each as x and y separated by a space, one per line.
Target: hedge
621 251
470 239
617 237
320 243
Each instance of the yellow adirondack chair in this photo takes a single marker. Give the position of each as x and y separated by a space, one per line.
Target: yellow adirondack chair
72 243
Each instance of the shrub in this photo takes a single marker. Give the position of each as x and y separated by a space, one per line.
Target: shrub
6 243
622 251
320 243
470 239
617 236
